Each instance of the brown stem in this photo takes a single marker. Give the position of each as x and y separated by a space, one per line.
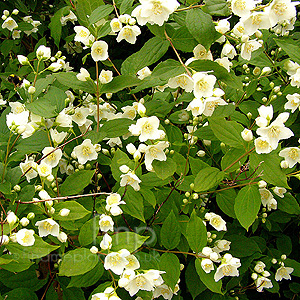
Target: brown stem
190 7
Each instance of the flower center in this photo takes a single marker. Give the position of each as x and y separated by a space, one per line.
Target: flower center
47 226
140 281
83 33
157 8
280 8
86 151
293 154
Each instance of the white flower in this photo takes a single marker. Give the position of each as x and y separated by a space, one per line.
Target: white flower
26 165
55 66
283 273
43 52
62 237
115 25
259 267
57 137
147 129
106 242
257 20
112 204
4 240
293 102
222 26
20 119
262 145
276 131
291 155
70 17
222 245
203 84
82 35
196 107
228 50
63 119
248 47
200 52
279 191
225 63
47 226
238 30
108 294
85 152
133 262
263 282
23 60
105 76
281 10
184 81
106 223
25 237
163 290
129 34
211 103
99 51
139 282
207 265
228 267
44 169
84 75
11 218
143 73
266 196
64 212
295 79
52 159
216 221
116 261
155 152
247 135
130 179
80 115
154 11
242 8
10 24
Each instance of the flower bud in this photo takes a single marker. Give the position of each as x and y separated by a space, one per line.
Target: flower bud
187 194
17 188
24 222
247 135
207 142
249 115
94 249
283 257
262 184
124 169
11 218
256 71
64 212
31 90
130 148
23 60
274 261
62 237
31 216
284 164
185 201
266 71
254 276
201 153
167 121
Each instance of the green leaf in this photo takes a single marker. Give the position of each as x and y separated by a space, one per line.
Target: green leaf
290 47
150 53
208 279
293 264
77 211
208 178
49 105
230 157
84 8
247 205
89 278
20 294
99 13
288 204
41 85
16 264
77 262
70 80
76 182
125 6
164 169
269 168
170 232
88 232
225 200
228 132
116 127
119 83
242 246
183 40
134 204
216 7
171 265
127 240
220 72
148 196
39 249
201 27
55 24
192 280
196 233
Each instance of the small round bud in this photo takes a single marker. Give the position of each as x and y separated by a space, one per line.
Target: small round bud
274 261
99 176
49 203
181 267
24 222
258 34
81 167
124 169
172 152
55 189
209 240
17 188
31 216
283 257
50 178
4 17
284 164
222 145
195 196
105 152
273 97
262 184
249 115
276 89
263 220
167 121
279 94
64 212
264 99
245 66
265 274
192 185
271 84
214 236
5 12
185 201
273 51
247 71
186 136
256 71
187 194
62 237
258 89
51 210
266 71
108 95
201 153
254 276
264 215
